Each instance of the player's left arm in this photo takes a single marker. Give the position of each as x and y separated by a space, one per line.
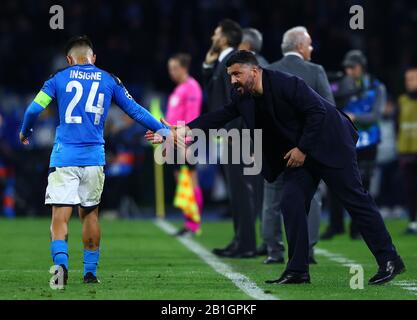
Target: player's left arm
40 103
125 101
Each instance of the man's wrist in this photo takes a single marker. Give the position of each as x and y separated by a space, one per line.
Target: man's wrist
26 133
302 150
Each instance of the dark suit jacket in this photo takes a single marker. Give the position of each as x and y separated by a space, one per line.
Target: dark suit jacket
219 88
217 84
301 118
313 74
261 60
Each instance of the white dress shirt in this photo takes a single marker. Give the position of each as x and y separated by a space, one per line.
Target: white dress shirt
293 53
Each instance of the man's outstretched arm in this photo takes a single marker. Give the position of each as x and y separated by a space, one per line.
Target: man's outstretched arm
215 119
212 120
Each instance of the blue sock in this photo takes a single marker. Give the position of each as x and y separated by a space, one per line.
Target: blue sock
59 252
91 261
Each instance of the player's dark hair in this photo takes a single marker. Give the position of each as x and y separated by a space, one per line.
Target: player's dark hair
232 31
242 57
184 59
78 41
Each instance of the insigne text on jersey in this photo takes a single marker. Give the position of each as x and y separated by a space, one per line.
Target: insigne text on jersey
77 74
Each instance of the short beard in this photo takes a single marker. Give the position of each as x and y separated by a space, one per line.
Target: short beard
250 87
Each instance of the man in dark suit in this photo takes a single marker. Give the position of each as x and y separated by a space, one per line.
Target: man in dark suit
226 37
296 48
308 139
252 40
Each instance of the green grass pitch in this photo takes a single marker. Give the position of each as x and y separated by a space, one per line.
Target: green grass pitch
140 261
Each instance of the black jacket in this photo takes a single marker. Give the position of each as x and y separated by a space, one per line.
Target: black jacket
217 84
301 118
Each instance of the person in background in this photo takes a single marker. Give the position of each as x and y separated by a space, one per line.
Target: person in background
364 107
388 175
184 105
226 38
407 144
7 174
252 41
296 48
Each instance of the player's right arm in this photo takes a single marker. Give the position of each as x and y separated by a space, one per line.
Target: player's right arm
40 103
125 101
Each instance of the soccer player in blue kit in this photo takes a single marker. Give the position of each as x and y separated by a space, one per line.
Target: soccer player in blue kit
83 93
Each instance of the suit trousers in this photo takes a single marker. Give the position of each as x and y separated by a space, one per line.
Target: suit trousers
272 219
300 185
366 164
242 198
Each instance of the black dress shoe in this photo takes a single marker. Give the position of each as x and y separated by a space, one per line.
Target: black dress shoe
388 271
220 252
271 260
289 277
355 236
262 250
245 254
237 254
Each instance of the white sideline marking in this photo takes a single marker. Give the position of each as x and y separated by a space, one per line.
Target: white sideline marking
241 281
404 284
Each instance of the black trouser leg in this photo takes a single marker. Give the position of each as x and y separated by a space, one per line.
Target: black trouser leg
229 176
346 183
299 188
242 203
336 212
366 164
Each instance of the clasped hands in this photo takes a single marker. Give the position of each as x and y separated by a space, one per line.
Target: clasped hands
177 135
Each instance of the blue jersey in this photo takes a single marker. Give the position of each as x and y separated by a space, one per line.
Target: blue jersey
84 94
370 134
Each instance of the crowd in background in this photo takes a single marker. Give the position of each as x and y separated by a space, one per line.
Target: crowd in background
135 39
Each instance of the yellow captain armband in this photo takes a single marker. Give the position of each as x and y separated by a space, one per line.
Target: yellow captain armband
42 99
